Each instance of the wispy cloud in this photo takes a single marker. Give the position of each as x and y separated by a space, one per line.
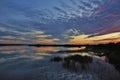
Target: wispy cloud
58 21
11 41
85 39
47 41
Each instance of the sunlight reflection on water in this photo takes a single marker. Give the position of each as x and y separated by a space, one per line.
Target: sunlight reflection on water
22 62
14 52
33 63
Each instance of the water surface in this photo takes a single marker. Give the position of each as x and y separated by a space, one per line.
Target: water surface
33 63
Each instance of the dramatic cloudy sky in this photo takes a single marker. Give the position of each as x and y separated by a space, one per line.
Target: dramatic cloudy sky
59 21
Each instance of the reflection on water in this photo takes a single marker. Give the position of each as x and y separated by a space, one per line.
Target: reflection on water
22 62
77 48
32 63
30 52
45 49
13 49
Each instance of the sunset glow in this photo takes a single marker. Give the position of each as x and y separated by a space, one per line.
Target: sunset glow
84 39
60 21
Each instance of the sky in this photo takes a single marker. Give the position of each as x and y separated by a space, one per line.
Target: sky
59 21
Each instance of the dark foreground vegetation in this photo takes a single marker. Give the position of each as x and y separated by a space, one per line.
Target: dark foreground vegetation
56 59
111 51
72 62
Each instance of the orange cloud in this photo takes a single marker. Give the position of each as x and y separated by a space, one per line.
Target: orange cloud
115 40
84 39
47 41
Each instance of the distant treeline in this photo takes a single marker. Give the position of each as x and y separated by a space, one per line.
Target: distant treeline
44 45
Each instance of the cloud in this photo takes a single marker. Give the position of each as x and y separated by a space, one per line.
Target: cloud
63 20
108 39
105 31
84 39
43 36
47 41
72 32
12 42
76 9
60 10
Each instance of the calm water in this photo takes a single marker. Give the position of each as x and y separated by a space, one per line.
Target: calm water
33 63
21 63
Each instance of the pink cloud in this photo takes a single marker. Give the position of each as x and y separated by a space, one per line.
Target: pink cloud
109 30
